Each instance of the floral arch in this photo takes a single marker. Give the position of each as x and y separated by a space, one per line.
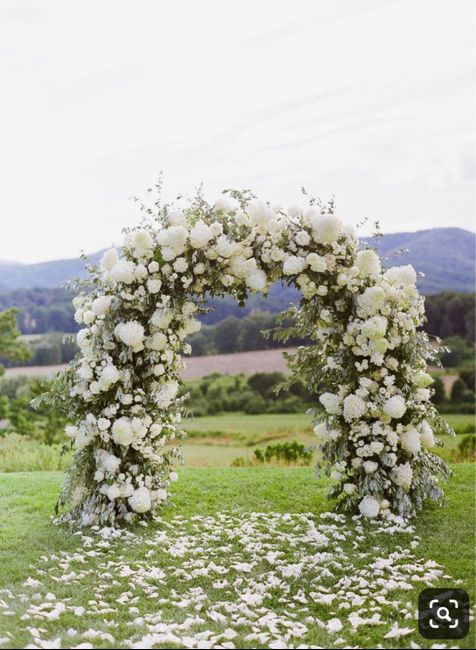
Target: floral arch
367 362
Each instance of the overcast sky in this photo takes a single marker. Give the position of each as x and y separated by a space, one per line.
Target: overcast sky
369 100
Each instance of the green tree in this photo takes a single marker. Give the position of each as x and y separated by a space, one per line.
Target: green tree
10 345
439 388
459 391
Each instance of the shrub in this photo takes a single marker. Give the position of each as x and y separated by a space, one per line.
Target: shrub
22 454
439 388
285 453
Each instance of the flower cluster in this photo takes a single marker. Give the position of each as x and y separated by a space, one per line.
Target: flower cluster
368 363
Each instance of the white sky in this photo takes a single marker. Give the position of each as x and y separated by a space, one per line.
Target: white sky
370 100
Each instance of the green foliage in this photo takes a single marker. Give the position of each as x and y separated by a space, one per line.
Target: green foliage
439 388
258 393
10 345
22 454
44 423
285 453
457 351
42 310
466 452
451 314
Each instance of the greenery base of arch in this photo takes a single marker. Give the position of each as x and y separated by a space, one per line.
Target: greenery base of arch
375 422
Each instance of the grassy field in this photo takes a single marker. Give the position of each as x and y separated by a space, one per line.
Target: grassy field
219 439
27 500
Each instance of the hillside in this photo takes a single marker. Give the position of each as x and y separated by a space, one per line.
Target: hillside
445 255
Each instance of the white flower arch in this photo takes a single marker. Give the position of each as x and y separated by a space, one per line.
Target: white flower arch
367 363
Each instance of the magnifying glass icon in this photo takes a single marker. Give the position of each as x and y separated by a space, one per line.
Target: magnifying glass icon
443 613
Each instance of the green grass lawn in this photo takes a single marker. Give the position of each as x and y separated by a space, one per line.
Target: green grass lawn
27 499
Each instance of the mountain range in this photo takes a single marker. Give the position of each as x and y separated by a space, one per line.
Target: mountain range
446 256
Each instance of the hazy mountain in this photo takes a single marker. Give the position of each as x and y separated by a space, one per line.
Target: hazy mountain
14 275
445 255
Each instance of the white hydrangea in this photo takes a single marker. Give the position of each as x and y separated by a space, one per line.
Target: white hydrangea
326 228
349 488
140 500
369 507
410 441
402 475
395 407
157 341
180 265
370 466
142 243
109 376
293 265
317 263
107 461
123 271
401 276
109 259
130 333
154 285
330 402
200 235
167 393
302 238
374 327
368 263
423 379
260 214
371 300
173 239
256 280
101 305
161 318
224 247
354 408
427 437
122 433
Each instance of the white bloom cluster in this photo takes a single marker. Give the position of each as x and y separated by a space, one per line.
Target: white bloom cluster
124 386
